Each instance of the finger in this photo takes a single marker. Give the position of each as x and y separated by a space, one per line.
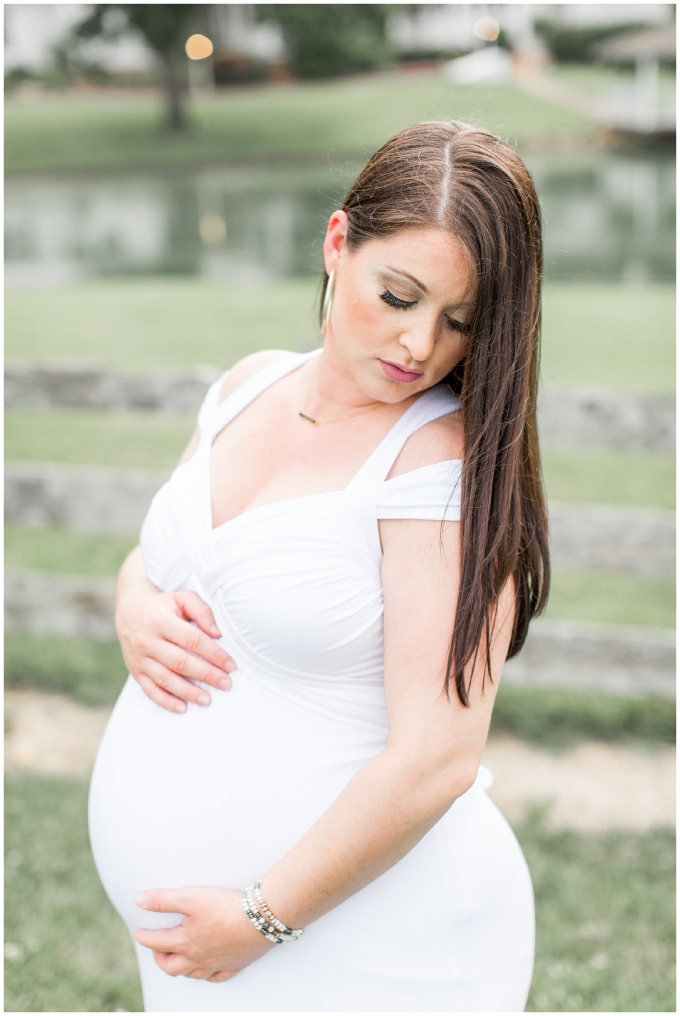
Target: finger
173 964
164 940
201 973
168 901
196 609
181 662
188 636
175 685
222 975
157 695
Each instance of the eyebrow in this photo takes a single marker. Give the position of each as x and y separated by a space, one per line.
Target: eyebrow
398 271
420 285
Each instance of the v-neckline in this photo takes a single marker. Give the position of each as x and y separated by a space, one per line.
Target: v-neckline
207 485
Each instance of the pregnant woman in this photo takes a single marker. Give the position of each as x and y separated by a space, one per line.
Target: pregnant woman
352 545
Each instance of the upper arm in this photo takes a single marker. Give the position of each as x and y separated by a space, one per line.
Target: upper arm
420 578
239 373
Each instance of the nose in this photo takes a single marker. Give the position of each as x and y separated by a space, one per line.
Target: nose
419 339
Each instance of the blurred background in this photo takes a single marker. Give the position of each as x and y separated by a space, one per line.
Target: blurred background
170 171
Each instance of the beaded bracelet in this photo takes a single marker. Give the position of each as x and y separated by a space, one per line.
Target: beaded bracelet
261 917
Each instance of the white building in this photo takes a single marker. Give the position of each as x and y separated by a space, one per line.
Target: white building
32 30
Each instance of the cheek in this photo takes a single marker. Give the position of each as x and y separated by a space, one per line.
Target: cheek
361 321
453 354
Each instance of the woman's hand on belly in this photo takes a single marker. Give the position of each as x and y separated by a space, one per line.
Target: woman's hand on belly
214 941
161 646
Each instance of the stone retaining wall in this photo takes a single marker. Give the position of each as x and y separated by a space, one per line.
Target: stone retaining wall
567 417
86 498
588 537
558 654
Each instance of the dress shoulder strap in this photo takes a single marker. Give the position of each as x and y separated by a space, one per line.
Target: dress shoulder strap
433 403
215 415
365 488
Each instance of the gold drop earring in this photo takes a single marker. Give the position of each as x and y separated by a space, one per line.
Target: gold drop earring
328 302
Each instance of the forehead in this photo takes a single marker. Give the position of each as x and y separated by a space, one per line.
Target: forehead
435 257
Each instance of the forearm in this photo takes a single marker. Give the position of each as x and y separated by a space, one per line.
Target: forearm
383 812
132 576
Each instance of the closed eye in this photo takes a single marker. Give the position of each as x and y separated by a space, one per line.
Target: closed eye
394 301
457 326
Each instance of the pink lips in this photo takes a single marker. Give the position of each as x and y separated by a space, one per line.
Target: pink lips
396 373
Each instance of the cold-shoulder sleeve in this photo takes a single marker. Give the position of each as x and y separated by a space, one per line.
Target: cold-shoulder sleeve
431 492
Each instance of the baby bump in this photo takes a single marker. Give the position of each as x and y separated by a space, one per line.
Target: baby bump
214 796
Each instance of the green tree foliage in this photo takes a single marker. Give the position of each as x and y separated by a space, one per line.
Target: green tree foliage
165 28
326 40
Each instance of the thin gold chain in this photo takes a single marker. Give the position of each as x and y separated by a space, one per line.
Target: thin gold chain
348 416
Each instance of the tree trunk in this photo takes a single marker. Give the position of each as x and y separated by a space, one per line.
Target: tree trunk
174 92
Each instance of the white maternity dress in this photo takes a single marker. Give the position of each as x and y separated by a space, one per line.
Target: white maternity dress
217 795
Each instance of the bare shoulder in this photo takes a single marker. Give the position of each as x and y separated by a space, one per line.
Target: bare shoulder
438 441
249 365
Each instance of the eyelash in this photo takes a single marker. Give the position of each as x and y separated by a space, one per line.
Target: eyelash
393 301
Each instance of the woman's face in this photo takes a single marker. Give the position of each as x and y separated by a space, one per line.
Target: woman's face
401 304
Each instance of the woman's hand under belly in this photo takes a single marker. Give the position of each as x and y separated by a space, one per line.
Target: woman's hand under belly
213 942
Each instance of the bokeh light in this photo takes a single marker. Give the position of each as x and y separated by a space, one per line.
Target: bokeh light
487 29
212 229
198 47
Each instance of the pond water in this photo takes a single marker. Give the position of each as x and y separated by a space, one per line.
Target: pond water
607 217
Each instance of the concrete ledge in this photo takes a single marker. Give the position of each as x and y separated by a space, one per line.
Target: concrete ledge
614 659
567 417
597 418
85 498
70 606
59 386
615 538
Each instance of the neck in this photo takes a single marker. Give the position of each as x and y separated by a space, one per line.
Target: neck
332 390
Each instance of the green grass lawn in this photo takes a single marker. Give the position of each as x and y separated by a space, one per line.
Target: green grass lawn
94 673
611 476
66 949
580 596
605 920
137 325
90 672
138 440
609 335
599 334
65 550
130 440
597 79
604 903
612 598
299 122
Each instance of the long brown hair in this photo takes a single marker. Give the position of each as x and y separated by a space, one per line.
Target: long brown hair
456 177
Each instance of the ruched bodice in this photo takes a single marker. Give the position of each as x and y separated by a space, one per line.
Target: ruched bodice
319 555
218 795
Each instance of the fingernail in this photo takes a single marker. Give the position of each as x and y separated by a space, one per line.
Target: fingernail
224 683
203 699
140 899
180 707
